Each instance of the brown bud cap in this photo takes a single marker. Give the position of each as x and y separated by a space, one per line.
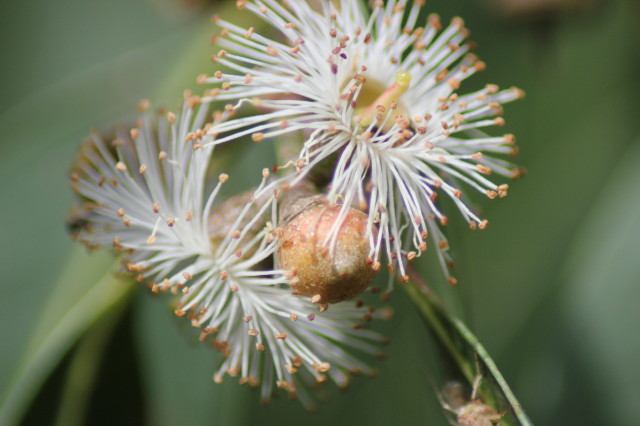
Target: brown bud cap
326 274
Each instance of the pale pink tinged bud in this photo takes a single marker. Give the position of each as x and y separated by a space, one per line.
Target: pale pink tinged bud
326 273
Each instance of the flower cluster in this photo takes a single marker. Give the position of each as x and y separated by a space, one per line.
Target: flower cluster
371 99
144 194
375 95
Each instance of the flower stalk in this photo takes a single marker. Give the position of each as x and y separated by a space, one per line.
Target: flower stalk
444 326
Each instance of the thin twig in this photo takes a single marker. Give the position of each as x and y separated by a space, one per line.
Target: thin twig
433 311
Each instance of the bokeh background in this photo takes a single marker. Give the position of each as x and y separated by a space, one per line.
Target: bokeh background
551 287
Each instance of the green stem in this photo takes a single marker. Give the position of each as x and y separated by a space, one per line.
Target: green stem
473 341
426 308
440 321
84 367
99 299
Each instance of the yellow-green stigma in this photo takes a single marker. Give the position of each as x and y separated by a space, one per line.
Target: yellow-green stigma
384 101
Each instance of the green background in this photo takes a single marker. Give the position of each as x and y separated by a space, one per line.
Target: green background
550 288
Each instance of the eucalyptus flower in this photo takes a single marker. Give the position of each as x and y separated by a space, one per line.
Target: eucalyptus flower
376 94
147 195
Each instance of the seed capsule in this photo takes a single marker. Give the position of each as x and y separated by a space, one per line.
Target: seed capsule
327 273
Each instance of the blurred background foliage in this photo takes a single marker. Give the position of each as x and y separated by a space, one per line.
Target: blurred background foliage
550 287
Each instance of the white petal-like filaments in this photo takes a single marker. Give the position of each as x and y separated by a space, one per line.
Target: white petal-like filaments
427 141
145 194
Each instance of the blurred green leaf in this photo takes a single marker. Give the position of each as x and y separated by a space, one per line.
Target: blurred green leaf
577 119
75 308
85 364
39 137
603 291
40 134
